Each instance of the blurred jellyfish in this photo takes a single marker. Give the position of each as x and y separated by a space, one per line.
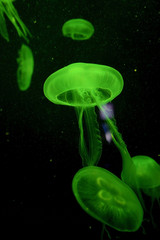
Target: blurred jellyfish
25 67
78 29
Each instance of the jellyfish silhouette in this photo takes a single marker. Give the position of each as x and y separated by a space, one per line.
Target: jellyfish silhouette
7 8
106 198
84 86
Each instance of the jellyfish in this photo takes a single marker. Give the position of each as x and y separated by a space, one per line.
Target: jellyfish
78 29
146 168
25 67
106 198
154 193
84 86
7 8
142 173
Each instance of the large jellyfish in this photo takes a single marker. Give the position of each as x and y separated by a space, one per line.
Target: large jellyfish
105 197
7 8
84 86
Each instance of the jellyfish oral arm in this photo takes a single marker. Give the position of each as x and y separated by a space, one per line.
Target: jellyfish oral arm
22 30
3 27
90 155
120 144
10 11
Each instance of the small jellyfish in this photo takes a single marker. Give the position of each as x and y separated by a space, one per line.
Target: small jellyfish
25 67
7 7
147 171
106 198
78 29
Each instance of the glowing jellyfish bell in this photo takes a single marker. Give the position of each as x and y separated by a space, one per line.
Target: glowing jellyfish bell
147 171
148 176
78 29
84 86
105 197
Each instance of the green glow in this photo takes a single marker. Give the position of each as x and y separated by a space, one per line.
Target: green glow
154 193
105 197
84 86
140 172
25 67
78 29
147 171
7 8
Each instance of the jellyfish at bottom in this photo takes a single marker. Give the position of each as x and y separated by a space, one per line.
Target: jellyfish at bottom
106 198
7 7
140 172
25 67
84 86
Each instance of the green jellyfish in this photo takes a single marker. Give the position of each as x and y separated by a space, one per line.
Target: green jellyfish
25 67
146 168
106 198
7 8
84 86
148 178
78 29
154 193
142 173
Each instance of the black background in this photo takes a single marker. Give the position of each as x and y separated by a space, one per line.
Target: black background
39 140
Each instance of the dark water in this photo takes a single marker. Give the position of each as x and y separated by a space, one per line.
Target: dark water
39 140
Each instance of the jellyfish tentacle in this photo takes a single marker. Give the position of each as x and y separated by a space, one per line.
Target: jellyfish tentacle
12 14
127 160
116 135
95 142
82 147
3 27
90 151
